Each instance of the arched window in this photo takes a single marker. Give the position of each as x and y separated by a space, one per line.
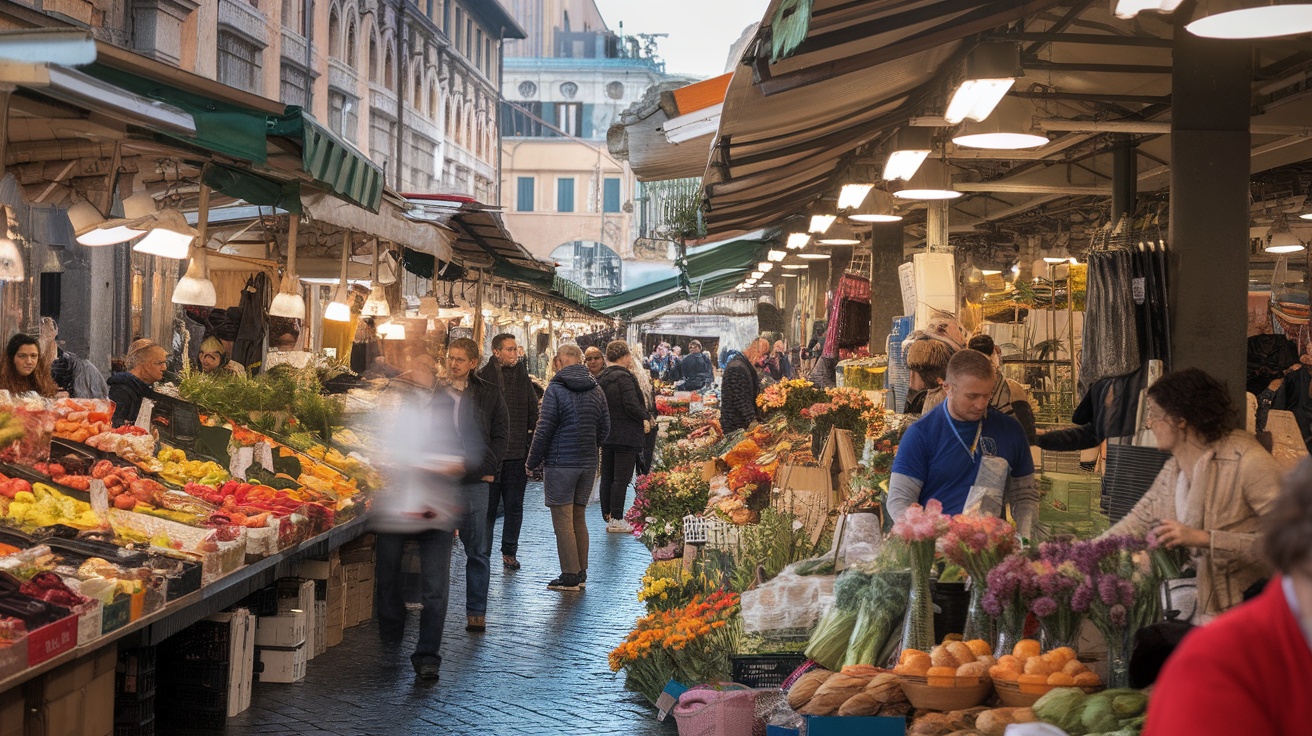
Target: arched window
389 72
432 101
373 59
334 34
417 90
350 45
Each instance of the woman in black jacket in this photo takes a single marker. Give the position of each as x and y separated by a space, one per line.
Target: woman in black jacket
628 419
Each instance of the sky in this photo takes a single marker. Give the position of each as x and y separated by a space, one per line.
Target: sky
701 31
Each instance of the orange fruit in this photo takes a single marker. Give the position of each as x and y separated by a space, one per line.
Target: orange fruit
980 647
1061 679
1060 656
1034 684
941 677
1026 648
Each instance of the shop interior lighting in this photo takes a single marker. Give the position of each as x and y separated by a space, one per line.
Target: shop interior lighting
795 266
878 207
170 237
798 240
391 331
1281 239
376 304
289 302
339 310
932 182
53 264
790 275
195 287
991 272
1129 8
764 266
840 236
11 258
1007 129
821 223
907 150
766 285
757 274
775 255
1258 19
813 256
111 232
991 70
850 196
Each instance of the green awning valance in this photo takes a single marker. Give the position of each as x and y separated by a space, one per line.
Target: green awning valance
332 162
254 188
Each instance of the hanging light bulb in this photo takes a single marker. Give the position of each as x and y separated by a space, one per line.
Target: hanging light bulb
877 208
1281 239
171 236
391 331
195 287
1007 129
1256 19
11 258
932 182
376 305
288 302
339 310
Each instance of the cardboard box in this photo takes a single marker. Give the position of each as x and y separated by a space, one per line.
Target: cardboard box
13 712
286 630
360 549
840 458
805 492
241 657
282 665
334 635
359 596
709 469
76 699
320 627
319 569
295 594
51 640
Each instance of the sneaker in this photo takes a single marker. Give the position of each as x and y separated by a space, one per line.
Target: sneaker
427 671
566 581
616 526
475 623
583 579
624 527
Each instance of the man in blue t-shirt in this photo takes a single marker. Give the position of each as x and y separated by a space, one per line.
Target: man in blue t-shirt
940 455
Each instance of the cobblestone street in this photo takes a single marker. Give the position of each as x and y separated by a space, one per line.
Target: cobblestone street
539 669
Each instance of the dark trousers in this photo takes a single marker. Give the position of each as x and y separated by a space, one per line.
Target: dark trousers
617 465
435 574
510 491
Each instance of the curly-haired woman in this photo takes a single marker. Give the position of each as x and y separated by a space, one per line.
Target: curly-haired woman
1210 496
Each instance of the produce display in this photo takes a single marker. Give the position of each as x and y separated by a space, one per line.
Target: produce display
177 470
1037 673
44 506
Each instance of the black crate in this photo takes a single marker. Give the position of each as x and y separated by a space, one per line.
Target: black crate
144 728
202 641
765 671
263 602
134 710
193 708
135 674
202 674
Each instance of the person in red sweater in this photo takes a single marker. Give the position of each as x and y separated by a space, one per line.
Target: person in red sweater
1250 670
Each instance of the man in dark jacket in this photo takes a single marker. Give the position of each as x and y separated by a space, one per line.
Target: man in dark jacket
573 422
696 368
145 363
507 371
628 428
479 415
739 387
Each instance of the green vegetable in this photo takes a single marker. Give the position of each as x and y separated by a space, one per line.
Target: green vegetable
828 645
881 604
1062 707
1128 703
1098 715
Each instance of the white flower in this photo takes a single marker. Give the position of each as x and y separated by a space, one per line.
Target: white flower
797 524
651 519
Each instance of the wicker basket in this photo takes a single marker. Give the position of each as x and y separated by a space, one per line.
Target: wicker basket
1011 695
967 692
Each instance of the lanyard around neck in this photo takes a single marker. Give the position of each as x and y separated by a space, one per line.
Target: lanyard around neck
973 447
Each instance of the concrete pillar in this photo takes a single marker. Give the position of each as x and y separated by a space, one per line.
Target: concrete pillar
885 288
1208 281
1125 179
936 226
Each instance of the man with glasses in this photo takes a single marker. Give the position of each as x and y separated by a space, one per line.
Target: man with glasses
145 364
942 453
508 371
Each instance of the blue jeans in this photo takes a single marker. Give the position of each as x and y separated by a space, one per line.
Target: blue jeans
435 572
476 536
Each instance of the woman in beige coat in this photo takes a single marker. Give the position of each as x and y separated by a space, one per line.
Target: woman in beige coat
1210 495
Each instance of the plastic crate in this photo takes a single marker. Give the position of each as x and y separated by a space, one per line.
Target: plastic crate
765 671
192 709
135 674
202 674
134 710
263 602
1070 493
202 641
144 728
1062 462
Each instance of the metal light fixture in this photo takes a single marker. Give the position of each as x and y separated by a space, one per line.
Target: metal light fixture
764 266
821 223
1129 8
798 240
1281 239
757 274
852 195
1007 129
289 302
991 70
775 255
932 182
170 237
795 266
813 256
376 304
843 235
907 150
789 275
195 287
339 310
877 208
391 331
1258 19
112 232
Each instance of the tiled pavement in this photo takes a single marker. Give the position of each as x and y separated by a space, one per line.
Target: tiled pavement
539 669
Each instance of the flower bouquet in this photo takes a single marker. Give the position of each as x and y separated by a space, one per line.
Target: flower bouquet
1119 594
661 502
978 544
691 645
1058 578
1011 585
920 528
790 398
844 408
666 586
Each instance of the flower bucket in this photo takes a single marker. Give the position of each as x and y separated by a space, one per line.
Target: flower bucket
668 552
705 711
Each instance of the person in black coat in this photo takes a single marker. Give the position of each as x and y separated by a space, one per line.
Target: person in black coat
629 421
696 369
508 372
740 386
480 418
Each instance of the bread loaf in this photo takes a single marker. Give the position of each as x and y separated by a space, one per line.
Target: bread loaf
862 704
802 690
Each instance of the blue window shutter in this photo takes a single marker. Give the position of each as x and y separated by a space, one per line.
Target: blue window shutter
524 199
610 201
565 195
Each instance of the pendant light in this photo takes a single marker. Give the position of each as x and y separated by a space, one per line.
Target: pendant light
850 196
11 258
289 302
820 223
195 287
776 255
340 310
798 240
1281 239
932 182
878 207
1127 9
765 266
171 236
813 256
1256 19
991 69
839 235
1007 129
907 150
376 304
119 230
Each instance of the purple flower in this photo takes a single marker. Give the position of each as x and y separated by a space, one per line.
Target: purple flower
992 606
1043 607
1127 593
1082 598
1118 615
1108 591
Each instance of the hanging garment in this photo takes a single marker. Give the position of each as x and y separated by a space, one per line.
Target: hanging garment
1111 340
1151 309
247 349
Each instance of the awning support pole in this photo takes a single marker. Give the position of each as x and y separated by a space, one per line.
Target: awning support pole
885 288
1125 179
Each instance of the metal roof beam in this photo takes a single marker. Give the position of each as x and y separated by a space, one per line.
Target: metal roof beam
1096 39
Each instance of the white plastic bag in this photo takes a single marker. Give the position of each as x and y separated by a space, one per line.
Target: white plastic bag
986 496
789 605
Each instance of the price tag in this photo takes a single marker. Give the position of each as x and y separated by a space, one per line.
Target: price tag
1139 289
264 456
668 699
144 414
241 461
100 498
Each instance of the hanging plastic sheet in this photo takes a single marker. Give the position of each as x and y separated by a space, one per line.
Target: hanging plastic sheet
1111 335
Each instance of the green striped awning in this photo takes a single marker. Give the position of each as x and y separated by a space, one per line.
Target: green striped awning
331 161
